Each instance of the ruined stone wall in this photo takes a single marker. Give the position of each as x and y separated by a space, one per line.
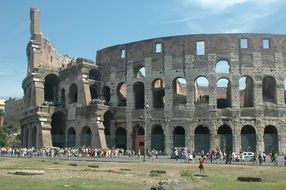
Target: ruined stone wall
178 58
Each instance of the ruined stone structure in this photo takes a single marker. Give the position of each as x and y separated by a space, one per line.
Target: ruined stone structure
197 91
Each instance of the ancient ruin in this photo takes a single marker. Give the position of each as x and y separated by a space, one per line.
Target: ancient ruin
198 91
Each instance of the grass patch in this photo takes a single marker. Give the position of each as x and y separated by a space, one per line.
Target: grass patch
187 173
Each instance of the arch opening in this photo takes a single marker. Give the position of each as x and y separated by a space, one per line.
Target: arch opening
179 137
201 90
223 93
269 89
139 95
158 93
202 140
85 137
51 87
179 92
122 94
71 137
270 139
248 139
225 138
58 125
120 139
246 92
158 138
73 93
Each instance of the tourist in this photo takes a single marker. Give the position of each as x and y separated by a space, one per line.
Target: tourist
201 164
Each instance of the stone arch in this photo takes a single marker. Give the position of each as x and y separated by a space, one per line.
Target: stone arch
94 91
120 138
71 137
179 136
201 91
202 139
270 139
122 94
94 74
58 125
139 97
225 138
269 89
73 93
158 87
27 135
106 94
158 138
34 137
246 92
108 119
85 137
140 72
63 98
223 93
51 88
248 138
139 141
222 66
179 91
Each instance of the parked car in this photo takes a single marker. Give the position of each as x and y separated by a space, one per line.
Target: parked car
248 156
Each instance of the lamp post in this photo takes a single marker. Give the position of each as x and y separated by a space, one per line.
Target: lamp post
145 130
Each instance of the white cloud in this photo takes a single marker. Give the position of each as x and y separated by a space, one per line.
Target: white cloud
214 5
231 16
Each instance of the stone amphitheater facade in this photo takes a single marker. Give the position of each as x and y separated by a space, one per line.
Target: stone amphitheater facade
200 91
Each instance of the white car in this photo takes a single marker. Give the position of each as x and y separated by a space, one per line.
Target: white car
248 156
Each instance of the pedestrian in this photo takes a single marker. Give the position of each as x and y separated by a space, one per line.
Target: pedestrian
285 160
201 164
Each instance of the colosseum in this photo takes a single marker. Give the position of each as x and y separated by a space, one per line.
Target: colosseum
197 91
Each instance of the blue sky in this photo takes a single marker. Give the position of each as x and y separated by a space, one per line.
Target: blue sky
81 27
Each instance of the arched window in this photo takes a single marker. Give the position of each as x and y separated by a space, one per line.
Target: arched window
201 90
246 92
223 93
95 74
179 91
106 94
51 87
158 93
222 67
139 95
269 89
141 73
73 93
122 94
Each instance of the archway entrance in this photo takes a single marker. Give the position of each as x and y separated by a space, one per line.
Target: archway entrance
85 137
225 138
58 127
270 139
71 138
157 138
248 139
179 137
120 138
202 139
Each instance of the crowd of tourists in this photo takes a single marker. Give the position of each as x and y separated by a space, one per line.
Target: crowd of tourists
75 152
212 156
